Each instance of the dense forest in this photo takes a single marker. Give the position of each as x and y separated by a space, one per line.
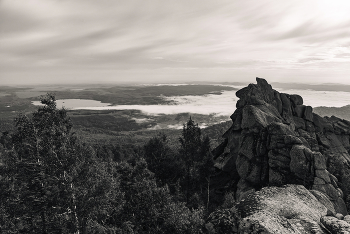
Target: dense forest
53 182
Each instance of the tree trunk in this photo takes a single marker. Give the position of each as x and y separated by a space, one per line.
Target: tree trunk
43 220
76 221
74 206
208 193
188 184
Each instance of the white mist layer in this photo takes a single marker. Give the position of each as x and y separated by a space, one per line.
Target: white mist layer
140 121
321 98
175 126
76 104
223 105
219 105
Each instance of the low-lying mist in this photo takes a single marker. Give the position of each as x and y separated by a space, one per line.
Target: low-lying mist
222 104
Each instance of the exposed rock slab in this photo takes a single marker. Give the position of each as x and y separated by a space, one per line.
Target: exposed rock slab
287 209
335 225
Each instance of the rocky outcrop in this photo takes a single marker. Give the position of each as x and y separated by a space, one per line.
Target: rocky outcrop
335 226
276 140
287 209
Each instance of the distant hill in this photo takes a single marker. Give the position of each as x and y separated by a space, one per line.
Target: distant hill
341 112
316 87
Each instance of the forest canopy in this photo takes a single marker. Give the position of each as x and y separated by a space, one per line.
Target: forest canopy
52 182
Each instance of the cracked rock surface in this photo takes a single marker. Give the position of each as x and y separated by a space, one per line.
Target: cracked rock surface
276 140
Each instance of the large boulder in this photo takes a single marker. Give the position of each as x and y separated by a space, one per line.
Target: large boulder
335 226
287 209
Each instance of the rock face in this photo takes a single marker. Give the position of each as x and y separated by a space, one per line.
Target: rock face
276 140
335 225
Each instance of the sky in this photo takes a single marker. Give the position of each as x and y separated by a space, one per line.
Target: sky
142 41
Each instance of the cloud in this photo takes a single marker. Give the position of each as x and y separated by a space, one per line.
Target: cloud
343 55
306 60
79 35
305 29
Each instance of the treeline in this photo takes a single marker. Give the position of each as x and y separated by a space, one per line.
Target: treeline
50 182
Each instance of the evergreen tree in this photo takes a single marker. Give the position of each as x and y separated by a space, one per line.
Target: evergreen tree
196 155
206 169
150 208
190 142
161 160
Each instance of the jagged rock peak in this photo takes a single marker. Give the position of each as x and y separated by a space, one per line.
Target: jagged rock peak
275 140
255 94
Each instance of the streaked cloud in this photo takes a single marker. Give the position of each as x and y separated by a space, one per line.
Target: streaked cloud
153 40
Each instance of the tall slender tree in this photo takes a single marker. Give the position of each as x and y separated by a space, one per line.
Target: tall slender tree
190 152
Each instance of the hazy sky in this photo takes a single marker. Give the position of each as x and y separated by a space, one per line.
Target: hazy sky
142 41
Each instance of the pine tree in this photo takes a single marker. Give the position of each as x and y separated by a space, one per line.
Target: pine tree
191 143
161 160
150 208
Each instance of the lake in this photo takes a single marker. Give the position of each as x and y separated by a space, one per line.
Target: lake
76 103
